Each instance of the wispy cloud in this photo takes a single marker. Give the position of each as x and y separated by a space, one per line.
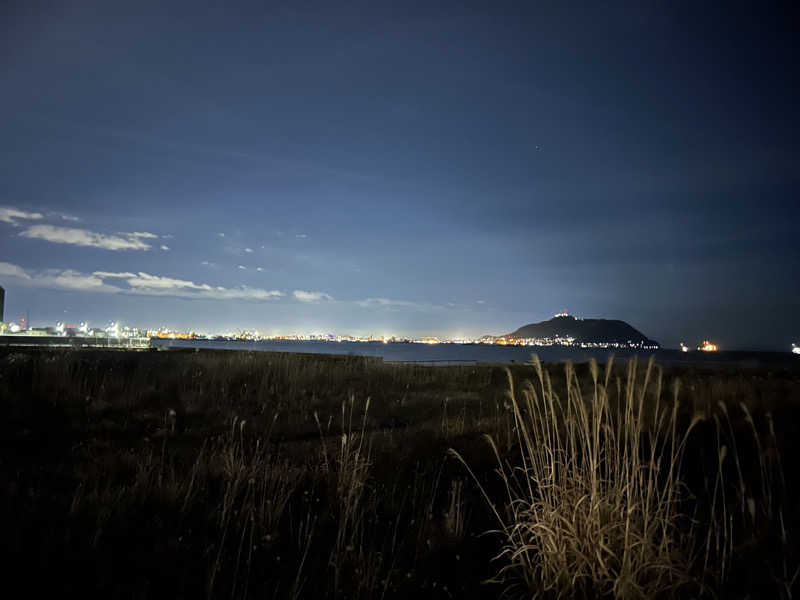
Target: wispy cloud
220 234
11 215
389 304
73 280
113 275
242 268
9 270
84 237
480 301
62 279
164 248
311 297
64 217
157 285
301 236
248 250
144 235
126 282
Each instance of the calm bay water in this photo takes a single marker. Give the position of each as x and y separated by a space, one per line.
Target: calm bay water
443 354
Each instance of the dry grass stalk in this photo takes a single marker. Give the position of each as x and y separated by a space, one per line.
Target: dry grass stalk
593 508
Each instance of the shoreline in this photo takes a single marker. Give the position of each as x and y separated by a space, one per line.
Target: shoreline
421 354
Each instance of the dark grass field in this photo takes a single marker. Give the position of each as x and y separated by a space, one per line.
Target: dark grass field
189 474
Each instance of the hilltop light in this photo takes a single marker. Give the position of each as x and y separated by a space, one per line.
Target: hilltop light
795 349
707 346
684 347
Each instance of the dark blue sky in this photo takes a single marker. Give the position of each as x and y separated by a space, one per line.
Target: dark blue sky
457 169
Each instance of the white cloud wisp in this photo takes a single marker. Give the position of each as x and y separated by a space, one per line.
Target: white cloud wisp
10 215
141 283
391 305
311 297
84 237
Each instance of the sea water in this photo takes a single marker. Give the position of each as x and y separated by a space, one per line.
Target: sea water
444 354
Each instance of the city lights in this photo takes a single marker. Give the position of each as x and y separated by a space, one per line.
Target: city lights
116 334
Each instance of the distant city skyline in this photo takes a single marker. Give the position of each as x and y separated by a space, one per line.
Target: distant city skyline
409 170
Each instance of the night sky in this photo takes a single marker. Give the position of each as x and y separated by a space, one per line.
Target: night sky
402 169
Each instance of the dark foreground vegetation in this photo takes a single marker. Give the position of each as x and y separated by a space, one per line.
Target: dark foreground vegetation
182 474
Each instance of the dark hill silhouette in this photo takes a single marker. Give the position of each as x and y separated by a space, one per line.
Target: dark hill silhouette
605 331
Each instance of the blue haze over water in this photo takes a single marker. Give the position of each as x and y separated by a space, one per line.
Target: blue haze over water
444 354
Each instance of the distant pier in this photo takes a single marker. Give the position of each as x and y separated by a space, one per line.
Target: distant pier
137 343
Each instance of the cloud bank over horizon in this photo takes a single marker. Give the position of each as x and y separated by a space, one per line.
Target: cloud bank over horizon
143 283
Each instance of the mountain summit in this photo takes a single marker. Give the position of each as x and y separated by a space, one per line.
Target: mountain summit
584 331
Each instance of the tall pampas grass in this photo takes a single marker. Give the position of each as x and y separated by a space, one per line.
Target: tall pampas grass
593 508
